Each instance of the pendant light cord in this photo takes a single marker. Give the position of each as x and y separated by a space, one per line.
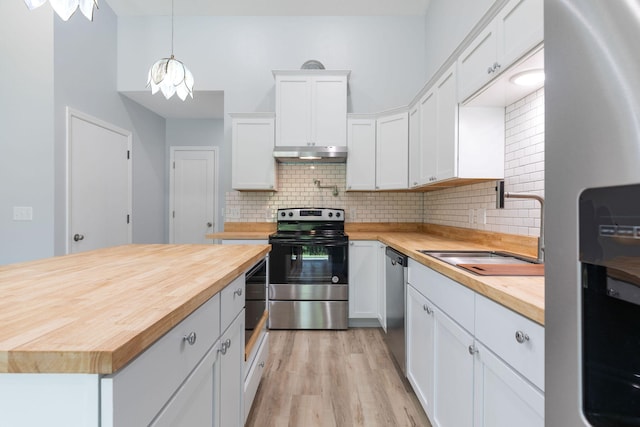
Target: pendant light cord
172 28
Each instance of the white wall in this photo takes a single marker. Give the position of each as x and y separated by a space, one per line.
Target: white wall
237 54
26 136
85 79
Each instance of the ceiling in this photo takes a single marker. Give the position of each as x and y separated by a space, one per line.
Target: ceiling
270 7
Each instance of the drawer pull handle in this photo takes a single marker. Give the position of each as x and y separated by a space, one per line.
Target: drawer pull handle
472 349
521 337
428 309
225 346
238 292
191 338
261 364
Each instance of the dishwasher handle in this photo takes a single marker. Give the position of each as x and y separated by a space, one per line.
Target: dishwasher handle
396 257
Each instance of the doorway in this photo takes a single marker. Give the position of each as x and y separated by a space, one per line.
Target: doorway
99 185
193 194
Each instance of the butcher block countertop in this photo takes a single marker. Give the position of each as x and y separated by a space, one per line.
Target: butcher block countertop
95 311
522 294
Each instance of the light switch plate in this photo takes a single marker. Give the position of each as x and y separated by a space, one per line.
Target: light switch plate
22 213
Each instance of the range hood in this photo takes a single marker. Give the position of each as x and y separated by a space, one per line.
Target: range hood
326 154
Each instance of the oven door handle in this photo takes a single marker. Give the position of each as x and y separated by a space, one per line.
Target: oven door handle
324 243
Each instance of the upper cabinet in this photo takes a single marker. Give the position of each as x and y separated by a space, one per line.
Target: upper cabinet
361 163
311 107
516 30
252 139
392 151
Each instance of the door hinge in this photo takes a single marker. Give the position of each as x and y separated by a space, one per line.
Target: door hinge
128 154
174 165
128 218
174 214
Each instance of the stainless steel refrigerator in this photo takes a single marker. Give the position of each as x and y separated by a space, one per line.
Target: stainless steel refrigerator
592 91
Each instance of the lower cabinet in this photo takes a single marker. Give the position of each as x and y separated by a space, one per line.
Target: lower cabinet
363 279
487 373
231 374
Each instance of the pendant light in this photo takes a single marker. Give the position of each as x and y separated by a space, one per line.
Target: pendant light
169 75
66 8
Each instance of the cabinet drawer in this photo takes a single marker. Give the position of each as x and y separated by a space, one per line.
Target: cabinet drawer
158 372
255 374
232 301
451 297
497 326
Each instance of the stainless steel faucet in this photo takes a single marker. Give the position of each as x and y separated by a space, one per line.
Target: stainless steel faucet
541 200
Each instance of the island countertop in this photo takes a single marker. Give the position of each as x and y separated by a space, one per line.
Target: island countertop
93 312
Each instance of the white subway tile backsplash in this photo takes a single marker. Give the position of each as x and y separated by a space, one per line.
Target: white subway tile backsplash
524 172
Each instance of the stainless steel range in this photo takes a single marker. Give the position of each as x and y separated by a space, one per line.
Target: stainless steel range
308 270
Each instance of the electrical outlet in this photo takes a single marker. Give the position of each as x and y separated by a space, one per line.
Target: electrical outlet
481 216
22 213
471 216
353 214
233 213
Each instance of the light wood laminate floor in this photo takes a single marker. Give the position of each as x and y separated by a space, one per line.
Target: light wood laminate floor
333 378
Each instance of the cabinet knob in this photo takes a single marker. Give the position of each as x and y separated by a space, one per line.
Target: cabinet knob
350 243
261 364
473 350
191 338
238 292
428 309
489 70
496 66
521 337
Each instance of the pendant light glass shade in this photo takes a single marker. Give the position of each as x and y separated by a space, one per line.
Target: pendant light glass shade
170 76
66 8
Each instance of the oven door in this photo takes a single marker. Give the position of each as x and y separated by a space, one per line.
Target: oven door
309 262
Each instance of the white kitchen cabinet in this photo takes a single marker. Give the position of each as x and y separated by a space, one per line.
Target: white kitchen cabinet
231 373
392 151
311 107
503 397
470 360
457 142
420 333
254 370
516 30
414 145
452 373
253 138
361 159
363 279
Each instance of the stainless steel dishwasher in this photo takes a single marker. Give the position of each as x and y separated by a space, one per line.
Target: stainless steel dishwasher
396 284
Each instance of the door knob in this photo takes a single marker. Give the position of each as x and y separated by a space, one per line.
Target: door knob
78 237
209 224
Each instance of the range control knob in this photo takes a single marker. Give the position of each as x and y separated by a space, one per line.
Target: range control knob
290 213
282 214
330 214
337 214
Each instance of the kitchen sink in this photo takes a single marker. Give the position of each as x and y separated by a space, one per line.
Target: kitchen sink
478 257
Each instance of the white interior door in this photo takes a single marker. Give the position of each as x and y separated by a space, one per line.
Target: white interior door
193 194
99 184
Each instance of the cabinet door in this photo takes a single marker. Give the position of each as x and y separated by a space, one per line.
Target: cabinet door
231 374
414 146
293 110
382 287
363 280
193 403
420 347
447 139
476 63
253 165
428 137
453 374
520 26
361 161
392 152
502 397
329 111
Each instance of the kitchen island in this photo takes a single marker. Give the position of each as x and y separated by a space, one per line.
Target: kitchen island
73 324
